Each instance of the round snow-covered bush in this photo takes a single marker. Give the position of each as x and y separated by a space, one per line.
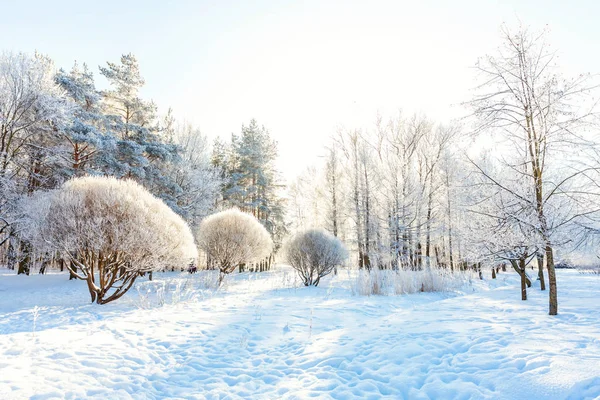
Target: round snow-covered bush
111 230
313 254
230 238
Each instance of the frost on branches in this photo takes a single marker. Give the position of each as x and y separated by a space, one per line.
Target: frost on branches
314 254
230 238
111 230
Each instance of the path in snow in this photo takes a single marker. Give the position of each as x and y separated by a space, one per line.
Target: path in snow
259 338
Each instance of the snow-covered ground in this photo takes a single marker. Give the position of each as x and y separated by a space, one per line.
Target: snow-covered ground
262 338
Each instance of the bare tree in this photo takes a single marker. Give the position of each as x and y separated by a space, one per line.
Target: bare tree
199 181
353 147
400 140
435 144
32 110
333 188
539 114
31 104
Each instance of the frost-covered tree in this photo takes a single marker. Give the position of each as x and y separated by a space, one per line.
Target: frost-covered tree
33 114
33 111
111 230
8 200
388 192
197 181
314 254
524 101
357 153
501 226
220 157
57 125
307 202
251 179
86 134
332 179
140 150
123 99
433 150
230 238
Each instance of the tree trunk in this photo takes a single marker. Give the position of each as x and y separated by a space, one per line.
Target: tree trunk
356 200
428 223
520 268
523 286
367 264
91 287
24 263
43 267
438 262
552 280
11 255
127 282
73 268
524 279
525 282
450 225
332 166
540 262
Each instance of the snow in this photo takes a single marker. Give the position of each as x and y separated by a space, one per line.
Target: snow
264 337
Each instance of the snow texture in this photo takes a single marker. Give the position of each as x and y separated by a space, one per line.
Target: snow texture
262 336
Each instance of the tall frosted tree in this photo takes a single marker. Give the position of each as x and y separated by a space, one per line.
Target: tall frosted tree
525 102
33 114
251 179
33 111
332 179
140 151
123 101
197 181
86 134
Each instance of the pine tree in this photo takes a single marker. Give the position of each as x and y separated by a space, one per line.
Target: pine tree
251 177
140 151
85 135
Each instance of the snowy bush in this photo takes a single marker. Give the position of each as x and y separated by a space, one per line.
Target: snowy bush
231 238
314 254
384 282
111 230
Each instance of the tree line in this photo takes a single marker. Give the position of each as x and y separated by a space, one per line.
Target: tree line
56 125
513 182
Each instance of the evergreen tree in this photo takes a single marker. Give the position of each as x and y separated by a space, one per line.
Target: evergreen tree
251 182
86 134
140 151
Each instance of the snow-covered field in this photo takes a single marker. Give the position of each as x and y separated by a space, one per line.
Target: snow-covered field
262 338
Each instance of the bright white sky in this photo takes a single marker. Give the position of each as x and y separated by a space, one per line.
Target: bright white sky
301 68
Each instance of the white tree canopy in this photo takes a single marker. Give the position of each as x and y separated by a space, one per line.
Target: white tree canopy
112 227
232 237
314 253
